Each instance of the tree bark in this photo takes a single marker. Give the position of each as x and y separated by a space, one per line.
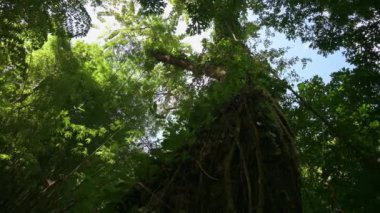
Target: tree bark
249 163
214 72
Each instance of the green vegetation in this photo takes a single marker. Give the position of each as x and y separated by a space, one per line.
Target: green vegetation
145 124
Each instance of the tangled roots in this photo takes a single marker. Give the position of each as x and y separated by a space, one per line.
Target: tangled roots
244 161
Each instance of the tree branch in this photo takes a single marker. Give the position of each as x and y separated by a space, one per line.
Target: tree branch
24 96
215 72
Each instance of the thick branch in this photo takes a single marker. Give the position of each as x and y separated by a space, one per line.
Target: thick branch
211 71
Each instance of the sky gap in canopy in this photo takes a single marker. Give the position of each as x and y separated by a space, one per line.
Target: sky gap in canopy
319 65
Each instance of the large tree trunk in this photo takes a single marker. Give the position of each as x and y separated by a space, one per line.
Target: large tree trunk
244 161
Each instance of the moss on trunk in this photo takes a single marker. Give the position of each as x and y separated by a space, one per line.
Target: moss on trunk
244 161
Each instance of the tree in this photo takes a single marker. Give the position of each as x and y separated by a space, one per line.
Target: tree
339 158
235 140
25 26
50 134
143 123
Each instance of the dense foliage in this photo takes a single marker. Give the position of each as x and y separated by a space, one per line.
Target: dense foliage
144 123
340 153
25 25
329 25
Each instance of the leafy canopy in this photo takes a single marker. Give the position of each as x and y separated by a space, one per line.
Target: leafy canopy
83 124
